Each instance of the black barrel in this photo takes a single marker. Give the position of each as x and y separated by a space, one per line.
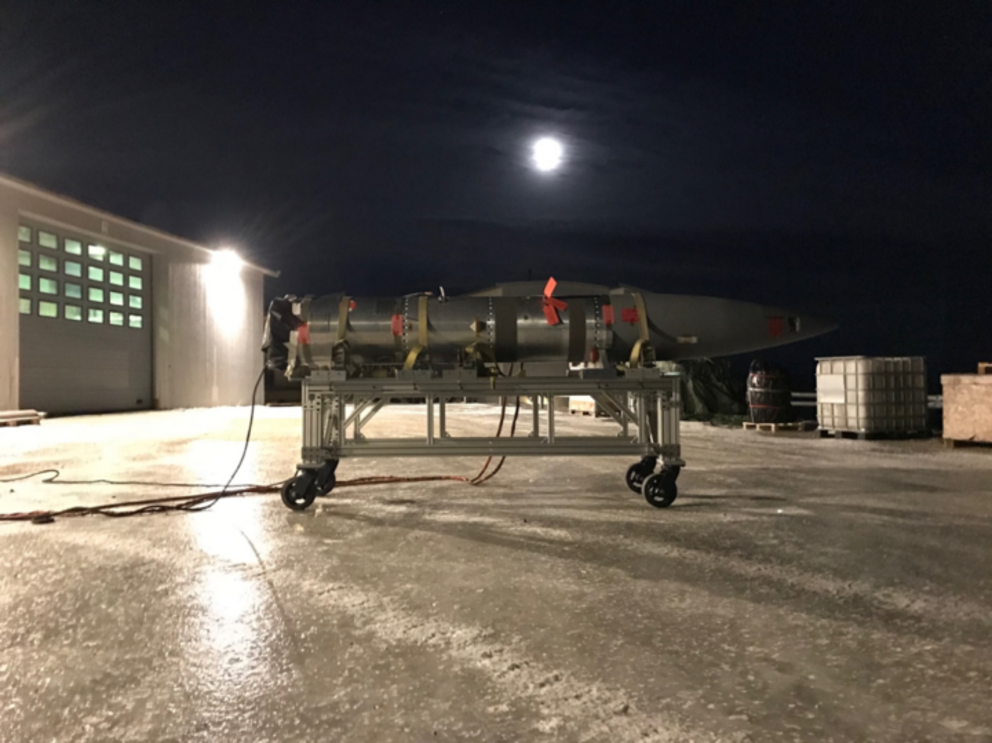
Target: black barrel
769 398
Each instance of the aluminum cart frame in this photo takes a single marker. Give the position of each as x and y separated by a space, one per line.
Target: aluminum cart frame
643 402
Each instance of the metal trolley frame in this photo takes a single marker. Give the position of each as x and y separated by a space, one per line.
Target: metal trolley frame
644 403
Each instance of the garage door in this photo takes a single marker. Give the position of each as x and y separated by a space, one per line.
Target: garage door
85 324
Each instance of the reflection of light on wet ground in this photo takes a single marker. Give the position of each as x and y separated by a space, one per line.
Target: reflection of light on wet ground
231 647
224 531
230 620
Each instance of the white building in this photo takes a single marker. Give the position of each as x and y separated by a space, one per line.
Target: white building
99 313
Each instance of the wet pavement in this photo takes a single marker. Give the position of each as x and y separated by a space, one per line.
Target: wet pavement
798 589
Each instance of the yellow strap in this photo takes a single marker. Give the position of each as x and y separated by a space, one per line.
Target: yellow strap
482 350
423 333
411 358
642 316
645 334
343 308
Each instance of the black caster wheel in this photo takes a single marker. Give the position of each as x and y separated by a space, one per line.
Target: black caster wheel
324 479
299 493
637 473
327 485
660 489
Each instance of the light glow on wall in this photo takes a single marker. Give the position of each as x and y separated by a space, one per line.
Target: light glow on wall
225 291
227 260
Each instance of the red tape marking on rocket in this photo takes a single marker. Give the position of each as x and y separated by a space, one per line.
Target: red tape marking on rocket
776 326
303 334
397 324
552 306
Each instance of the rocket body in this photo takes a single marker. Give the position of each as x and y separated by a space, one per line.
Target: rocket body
578 323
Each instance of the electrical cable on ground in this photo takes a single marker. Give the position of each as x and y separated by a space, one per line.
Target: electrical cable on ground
55 478
138 507
478 479
499 432
203 501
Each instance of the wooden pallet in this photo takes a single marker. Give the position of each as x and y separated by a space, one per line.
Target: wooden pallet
874 436
20 418
959 444
776 427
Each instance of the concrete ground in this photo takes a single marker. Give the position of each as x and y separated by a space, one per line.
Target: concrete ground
798 589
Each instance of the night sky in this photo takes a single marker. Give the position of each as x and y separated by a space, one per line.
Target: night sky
831 156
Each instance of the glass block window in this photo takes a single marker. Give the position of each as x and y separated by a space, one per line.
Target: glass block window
83 260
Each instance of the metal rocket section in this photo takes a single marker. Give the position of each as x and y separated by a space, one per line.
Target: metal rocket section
522 322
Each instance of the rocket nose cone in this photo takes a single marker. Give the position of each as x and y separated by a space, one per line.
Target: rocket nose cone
685 326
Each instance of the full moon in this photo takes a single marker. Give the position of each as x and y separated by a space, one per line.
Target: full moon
547 154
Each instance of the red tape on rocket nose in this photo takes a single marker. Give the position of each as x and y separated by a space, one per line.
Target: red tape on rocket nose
551 305
303 334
